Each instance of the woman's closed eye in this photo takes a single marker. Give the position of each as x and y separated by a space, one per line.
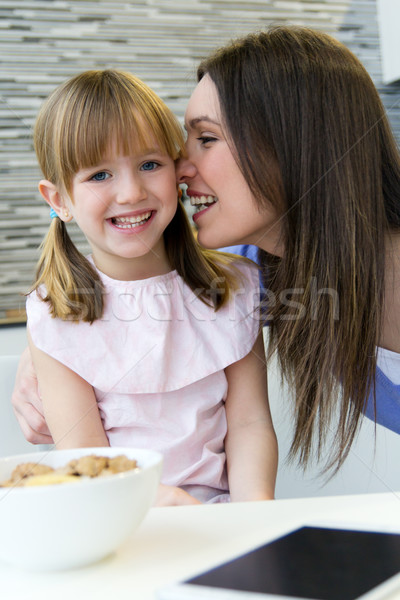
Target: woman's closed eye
205 139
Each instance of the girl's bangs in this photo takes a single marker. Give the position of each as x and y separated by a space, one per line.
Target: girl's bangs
126 117
127 129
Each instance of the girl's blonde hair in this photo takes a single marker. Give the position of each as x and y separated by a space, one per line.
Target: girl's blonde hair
73 130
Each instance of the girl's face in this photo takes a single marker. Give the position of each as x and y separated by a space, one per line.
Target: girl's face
227 211
123 206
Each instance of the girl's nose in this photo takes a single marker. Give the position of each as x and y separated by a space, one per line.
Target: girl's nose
131 190
184 170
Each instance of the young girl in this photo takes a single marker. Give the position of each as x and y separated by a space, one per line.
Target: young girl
150 341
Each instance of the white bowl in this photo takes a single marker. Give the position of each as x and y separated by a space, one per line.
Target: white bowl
68 525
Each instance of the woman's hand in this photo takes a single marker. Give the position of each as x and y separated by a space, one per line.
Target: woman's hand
27 404
168 495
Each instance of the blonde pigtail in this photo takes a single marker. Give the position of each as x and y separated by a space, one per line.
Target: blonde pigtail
210 274
72 286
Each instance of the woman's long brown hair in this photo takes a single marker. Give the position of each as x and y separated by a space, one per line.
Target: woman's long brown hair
311 137
74 129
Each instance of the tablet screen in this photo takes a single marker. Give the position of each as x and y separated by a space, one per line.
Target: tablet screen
312 563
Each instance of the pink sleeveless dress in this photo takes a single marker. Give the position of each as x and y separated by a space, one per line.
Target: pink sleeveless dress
156 361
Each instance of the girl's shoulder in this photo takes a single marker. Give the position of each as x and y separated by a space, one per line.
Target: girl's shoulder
41 322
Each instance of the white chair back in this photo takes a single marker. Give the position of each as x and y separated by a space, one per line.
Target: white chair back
12 440
371 466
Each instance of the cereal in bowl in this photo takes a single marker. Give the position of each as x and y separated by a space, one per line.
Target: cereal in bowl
31 474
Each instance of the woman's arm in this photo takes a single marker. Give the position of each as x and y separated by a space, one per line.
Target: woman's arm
27 404
69 403
250 445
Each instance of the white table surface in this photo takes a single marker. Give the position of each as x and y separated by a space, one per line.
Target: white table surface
174 543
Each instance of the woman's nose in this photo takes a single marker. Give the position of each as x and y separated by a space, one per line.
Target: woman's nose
185 170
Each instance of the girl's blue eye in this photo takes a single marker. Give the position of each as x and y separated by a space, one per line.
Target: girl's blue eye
150 165
101 176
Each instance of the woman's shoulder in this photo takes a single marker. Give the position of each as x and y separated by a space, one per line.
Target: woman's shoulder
387 391
390 335
241 267
246 250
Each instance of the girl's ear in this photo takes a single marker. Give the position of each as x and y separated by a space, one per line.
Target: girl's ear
54 199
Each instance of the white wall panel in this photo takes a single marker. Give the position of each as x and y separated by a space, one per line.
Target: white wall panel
389 29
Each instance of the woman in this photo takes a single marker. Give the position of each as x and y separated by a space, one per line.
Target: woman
289 149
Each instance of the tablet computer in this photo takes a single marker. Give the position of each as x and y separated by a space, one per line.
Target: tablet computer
310 563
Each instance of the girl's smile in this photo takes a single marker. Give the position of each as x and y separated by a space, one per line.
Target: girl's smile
129 222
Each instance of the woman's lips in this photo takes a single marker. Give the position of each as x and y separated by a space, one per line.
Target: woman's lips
201 202
201 210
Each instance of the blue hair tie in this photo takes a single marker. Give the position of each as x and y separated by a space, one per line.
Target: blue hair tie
53 213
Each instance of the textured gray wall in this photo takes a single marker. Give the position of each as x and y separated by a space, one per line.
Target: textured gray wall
44 42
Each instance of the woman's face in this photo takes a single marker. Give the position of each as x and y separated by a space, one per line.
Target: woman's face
226 211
